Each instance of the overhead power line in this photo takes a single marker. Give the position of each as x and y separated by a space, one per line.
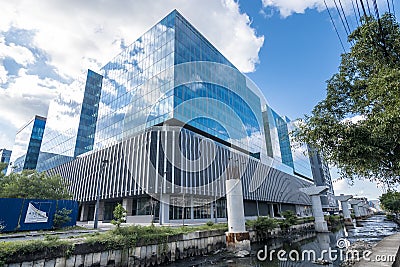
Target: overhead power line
341 19
380 29
363 7
387 1
344 15
376 9
358 9
369 10
355 13
334 26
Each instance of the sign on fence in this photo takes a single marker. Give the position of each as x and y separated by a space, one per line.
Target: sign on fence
18 214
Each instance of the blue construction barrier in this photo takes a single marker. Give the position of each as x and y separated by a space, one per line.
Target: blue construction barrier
17 214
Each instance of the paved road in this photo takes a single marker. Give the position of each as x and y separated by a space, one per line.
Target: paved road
387 248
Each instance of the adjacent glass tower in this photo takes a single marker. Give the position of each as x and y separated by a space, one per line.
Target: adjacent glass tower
27 145
5 156
71 122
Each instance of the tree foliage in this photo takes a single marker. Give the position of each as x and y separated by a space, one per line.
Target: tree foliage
290 219
61 217
31 184
3 166
391 201
119 215
357 125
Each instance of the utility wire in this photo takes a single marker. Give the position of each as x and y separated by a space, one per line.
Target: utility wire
380 29
344 15
341 19
376 9
355 13
363 7
387 1
334 26
394 13
359 13
369 10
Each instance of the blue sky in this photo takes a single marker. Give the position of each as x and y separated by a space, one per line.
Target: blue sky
288 47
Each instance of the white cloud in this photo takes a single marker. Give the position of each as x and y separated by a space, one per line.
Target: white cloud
81 34
289 7
76 35
355 119
3 75
20 54
25 98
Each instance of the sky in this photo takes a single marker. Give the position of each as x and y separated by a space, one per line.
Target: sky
289 48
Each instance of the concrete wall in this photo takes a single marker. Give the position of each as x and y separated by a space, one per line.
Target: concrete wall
179 247
187 245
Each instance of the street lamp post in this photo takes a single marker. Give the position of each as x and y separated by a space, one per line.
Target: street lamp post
96 215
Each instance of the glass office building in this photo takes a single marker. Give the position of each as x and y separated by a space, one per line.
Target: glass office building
5 156
322 177
174 119
71 122
27 145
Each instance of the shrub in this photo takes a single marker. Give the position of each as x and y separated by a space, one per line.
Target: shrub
263 225
210 223
290 219
119 215
61 217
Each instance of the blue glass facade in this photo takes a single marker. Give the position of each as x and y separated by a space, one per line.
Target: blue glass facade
27 145
5 156
71 122
134 81
284 141
155 79
89 113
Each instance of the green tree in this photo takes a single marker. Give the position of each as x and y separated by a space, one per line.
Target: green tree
61 217
3 166
31 184
391 201
357 125
119 215
263 225
290 219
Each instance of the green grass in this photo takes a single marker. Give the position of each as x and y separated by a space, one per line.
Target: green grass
119 238
8 250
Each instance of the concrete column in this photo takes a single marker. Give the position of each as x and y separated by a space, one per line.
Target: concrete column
164 209
354 204
212 210
345 207
314 192
101 211
367 210
271 211
191 208
236 238
84 212
234 200
127 205
362 210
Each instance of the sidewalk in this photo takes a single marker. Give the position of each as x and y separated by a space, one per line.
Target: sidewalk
386 248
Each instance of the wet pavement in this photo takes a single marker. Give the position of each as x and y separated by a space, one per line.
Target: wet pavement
372 230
